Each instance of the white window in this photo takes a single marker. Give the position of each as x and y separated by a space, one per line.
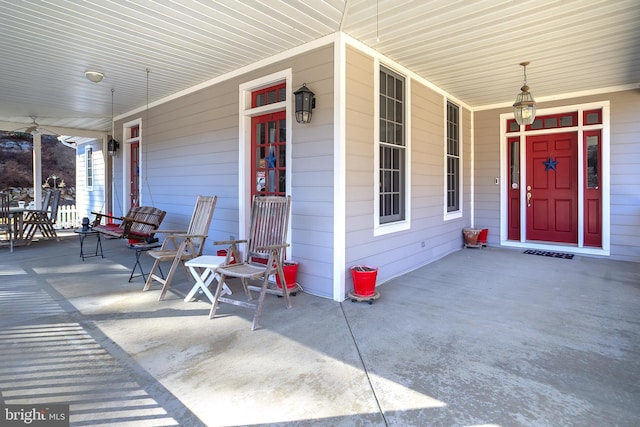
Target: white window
453 178
89 167
392 148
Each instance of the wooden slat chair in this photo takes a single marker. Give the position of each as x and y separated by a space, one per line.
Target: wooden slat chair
43 219
180 246
5 219
264 256
139 224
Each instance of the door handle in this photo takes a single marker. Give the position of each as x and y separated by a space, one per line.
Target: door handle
528 199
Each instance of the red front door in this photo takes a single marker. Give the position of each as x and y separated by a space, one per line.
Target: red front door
552 188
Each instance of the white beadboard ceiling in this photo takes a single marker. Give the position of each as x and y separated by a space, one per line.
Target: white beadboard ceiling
469 48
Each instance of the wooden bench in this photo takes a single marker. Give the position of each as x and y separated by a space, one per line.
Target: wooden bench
139 224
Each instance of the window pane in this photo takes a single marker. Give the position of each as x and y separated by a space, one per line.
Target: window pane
566 121
271 97
399 89
260 139
592 162
390 109
395 182
399 134
515 164
593 118
551 122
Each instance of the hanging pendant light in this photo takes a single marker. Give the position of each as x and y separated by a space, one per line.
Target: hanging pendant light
524 109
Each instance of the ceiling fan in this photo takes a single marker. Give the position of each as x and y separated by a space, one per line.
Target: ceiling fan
35 129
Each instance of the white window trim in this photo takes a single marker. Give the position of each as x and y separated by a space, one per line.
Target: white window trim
405 224
448 216
126 160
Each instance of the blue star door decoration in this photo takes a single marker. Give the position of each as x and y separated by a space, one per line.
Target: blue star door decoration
271 158
550 164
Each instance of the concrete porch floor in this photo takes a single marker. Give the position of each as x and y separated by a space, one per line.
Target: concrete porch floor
489 337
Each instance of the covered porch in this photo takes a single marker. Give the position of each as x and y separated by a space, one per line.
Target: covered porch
481 337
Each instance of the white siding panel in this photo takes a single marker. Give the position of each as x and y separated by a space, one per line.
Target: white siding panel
397 253
191 147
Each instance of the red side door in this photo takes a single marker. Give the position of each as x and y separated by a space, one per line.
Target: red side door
134 185
268 154
552 188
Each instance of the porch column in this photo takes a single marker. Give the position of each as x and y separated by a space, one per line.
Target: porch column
37 169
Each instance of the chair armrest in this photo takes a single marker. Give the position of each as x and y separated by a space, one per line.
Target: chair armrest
187 235
100 215
269 247
170 231
228 242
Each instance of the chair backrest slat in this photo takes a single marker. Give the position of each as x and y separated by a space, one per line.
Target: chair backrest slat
55 203
201 220
46 200
269 225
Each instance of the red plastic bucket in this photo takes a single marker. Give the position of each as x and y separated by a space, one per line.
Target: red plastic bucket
364 280
482 237
223 252
290 269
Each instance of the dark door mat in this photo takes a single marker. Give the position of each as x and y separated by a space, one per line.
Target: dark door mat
549 254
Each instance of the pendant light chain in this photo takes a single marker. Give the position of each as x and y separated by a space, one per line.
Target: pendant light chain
113 128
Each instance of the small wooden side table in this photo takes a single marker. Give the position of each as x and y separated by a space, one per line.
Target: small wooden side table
82 234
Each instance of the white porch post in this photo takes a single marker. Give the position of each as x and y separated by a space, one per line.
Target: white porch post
37 169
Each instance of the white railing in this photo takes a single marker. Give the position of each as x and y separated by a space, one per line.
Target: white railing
67 217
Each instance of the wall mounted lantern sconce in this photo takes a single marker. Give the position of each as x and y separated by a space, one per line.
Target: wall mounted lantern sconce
305 102
112 147
524 109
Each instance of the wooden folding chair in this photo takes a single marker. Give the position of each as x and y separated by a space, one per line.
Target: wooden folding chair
180 246
43 219
264 256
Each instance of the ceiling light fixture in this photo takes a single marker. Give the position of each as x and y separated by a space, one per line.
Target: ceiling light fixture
94 76
524 109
